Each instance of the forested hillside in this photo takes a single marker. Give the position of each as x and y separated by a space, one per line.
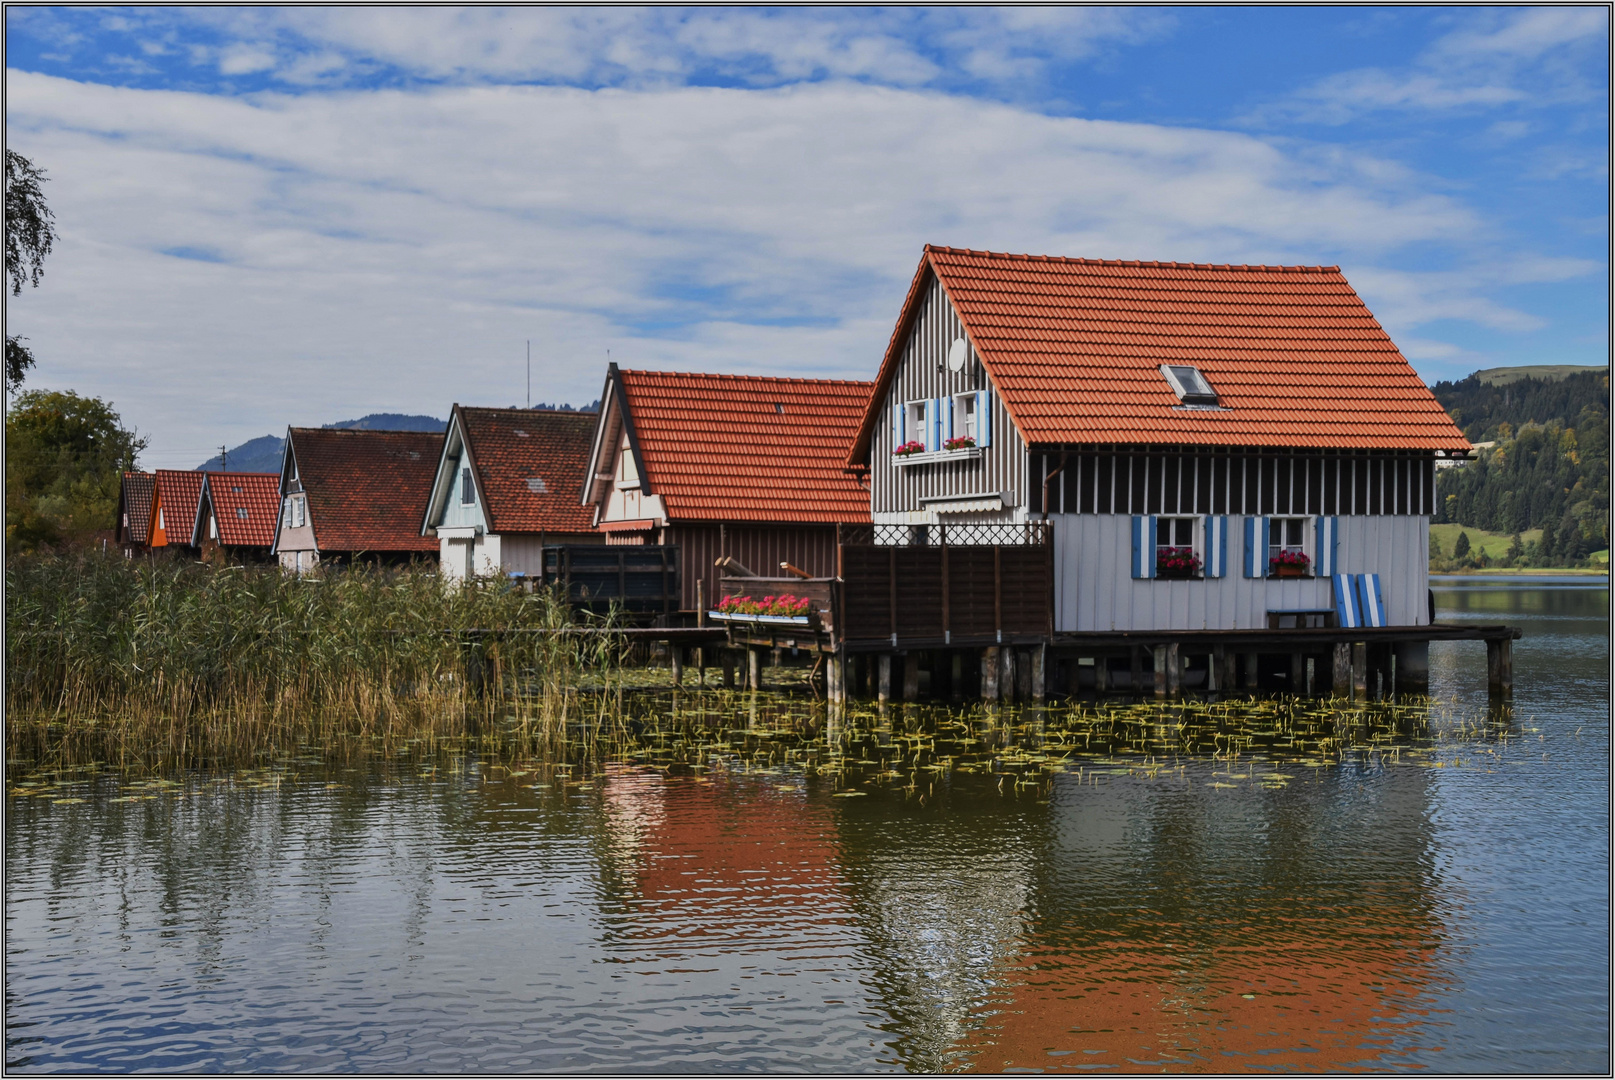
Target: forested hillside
1548 467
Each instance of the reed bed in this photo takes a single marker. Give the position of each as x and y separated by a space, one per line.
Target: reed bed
189 663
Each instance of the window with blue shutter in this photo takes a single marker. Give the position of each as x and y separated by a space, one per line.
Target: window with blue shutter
1256 534
1327 546
984 418
1143 546
1215 556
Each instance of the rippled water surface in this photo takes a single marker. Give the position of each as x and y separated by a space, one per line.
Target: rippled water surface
925 893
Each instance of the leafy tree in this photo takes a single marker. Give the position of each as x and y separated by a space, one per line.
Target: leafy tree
1435 547
65 459
1461 547
1516 548
30 232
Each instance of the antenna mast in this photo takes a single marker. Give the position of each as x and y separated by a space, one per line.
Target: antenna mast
224 460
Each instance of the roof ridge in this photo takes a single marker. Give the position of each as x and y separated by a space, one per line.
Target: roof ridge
1135 263
745 378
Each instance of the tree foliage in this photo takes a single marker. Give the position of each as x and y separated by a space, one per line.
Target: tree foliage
65 459
30 233
1548 469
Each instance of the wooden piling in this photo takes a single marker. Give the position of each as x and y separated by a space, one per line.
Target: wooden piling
1413 667
1298 671
1341 682
1039 659
675 656
1174 670
1359 670
1006 675
911 676
989 673
884 690
1253 671
754 669
835 678
1500 667
956 672
1160 671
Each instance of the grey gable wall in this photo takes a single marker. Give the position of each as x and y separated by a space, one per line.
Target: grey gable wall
922 372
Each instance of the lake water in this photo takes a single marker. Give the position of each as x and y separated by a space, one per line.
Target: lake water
918 893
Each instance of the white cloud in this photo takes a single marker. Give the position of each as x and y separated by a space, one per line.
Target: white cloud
1501 58
231 265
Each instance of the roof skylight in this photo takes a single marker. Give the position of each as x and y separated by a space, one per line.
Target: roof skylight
1190 386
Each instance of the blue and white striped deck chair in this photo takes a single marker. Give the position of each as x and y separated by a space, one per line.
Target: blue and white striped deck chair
1347 613
1370 605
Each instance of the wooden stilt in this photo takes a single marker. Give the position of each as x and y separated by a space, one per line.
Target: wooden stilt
1298 671
1040 657
676 660
1413 667
1160 671
1359 670
884 690
1253 672
1500 667
1101 674
727 656
835 682
911 677
1006 676
956 671
989 673
754 669
1174 670
1341 681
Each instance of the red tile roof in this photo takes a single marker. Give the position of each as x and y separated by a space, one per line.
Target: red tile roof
530 465
1075 345
747 448
177 493
246 505
366 488
139 493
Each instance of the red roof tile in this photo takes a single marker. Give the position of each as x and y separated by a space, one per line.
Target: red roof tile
177 493
366 488
1074 347
246 505
747 448
530 465
138 495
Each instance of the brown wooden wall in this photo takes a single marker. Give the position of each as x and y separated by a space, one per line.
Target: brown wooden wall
972 592
760 548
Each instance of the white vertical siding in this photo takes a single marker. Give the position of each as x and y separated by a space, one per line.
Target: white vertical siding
1094 588
922 372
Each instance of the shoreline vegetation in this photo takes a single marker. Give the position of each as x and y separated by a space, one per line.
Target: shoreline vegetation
187 662
153 665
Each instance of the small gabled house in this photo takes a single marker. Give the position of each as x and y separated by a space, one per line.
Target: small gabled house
348 493
173 513
744 466
135 499
1214 446
505 486
235 516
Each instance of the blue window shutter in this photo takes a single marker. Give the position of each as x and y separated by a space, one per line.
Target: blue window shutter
936 423
1138 547
1328 547
1334 545
1346 611
1216 553
902 423
897 422
1252 567
984 418
1370 606
947 418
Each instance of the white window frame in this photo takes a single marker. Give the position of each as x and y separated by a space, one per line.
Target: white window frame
965 420
1307 546
299 516
1197 542
916 418
1184 391
468 487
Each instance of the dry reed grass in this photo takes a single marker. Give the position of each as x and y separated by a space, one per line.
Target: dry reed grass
185 662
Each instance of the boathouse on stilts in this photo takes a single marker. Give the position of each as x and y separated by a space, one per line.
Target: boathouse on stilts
1100 476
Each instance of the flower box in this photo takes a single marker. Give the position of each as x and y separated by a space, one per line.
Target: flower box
967 453
782 610
959 442
1176 562
909 449
765 620
1290 564
1290 570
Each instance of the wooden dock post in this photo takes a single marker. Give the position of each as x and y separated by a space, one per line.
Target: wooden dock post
1298 671
1040 658
1006 674
1341 684
911 677
1174 670
727 658
1359 670
835 678
884 690
1500 667
1101 674
956 671
1253 673
1160 671
1413 667
675 656
754 669
989 673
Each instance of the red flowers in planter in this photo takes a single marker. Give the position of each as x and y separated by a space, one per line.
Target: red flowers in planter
1176 562
958 442
908 448
784 604
1296 562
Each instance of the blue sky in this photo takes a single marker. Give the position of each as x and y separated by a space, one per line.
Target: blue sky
275 216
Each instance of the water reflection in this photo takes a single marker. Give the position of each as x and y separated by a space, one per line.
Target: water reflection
755 890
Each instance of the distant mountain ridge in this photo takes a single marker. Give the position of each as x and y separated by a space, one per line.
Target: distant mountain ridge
263 454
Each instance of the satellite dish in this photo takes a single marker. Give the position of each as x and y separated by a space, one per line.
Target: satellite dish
957 354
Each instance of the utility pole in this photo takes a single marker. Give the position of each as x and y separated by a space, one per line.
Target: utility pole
224 460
